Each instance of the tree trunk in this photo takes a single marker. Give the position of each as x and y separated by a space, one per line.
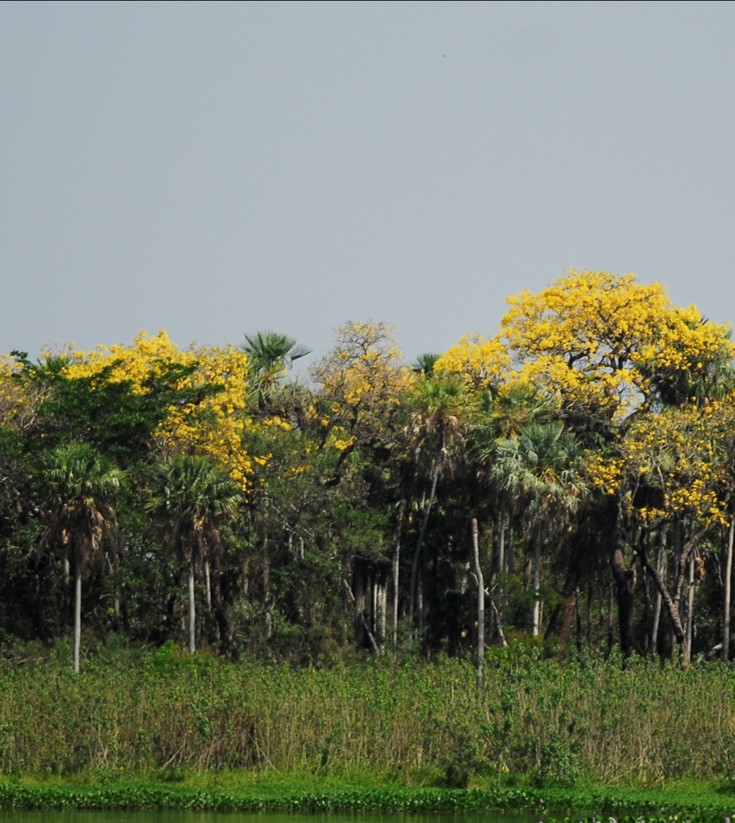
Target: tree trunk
420 541
396 572
500 560
381 607
674 601
480 603
358 589
77 608
267 598
661 566
690 611
624 587
536 583
208 585
192 609
728 588
220 609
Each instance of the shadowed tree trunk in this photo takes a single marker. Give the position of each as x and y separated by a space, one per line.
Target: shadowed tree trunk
625 579
728 585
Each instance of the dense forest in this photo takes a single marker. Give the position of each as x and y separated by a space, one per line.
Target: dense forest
568 483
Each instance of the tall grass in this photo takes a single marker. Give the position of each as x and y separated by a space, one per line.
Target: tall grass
539 721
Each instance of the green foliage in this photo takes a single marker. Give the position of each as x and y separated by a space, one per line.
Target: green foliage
540 723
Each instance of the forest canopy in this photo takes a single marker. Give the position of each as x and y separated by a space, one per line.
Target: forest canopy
203 496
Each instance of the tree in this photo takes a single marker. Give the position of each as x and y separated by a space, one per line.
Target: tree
541 471
270 355
80 487
425 363
195 399
193 497
603 348
602 345
361 387
435 406
674 468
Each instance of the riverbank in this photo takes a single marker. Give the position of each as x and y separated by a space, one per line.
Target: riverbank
278 793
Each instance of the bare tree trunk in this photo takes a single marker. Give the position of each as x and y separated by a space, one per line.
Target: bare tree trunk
480 603
690 611
192 609
509 554
267 598
77 608
624 577
658 602
360 618
112 566
728 588
499 624
536 583
500 566
396 572
208 585
673 602
381 608
500 562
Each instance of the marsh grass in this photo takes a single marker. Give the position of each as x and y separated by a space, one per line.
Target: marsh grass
166 715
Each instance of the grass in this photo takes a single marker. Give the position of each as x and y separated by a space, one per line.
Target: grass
165 729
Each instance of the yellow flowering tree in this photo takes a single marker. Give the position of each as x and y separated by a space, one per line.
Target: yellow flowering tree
207 386
672 475
361 384
602 345
481 362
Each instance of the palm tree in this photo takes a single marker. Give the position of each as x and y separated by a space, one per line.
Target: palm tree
194 498
425 363
541 469
271 356
500 416
436 412
80 487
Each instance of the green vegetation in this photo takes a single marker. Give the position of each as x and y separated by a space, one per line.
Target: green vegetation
169 729
582 460
502 573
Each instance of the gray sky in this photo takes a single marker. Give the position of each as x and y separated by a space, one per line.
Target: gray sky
220 168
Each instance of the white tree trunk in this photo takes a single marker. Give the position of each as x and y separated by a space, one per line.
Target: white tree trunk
536 584
77 609
480 602
690 613
192 610
396 572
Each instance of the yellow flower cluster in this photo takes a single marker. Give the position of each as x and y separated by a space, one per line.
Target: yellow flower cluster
215 424
605 473
481 362
675 452
599 339
19 403
363 374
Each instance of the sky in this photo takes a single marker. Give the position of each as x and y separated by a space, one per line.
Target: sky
216 169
